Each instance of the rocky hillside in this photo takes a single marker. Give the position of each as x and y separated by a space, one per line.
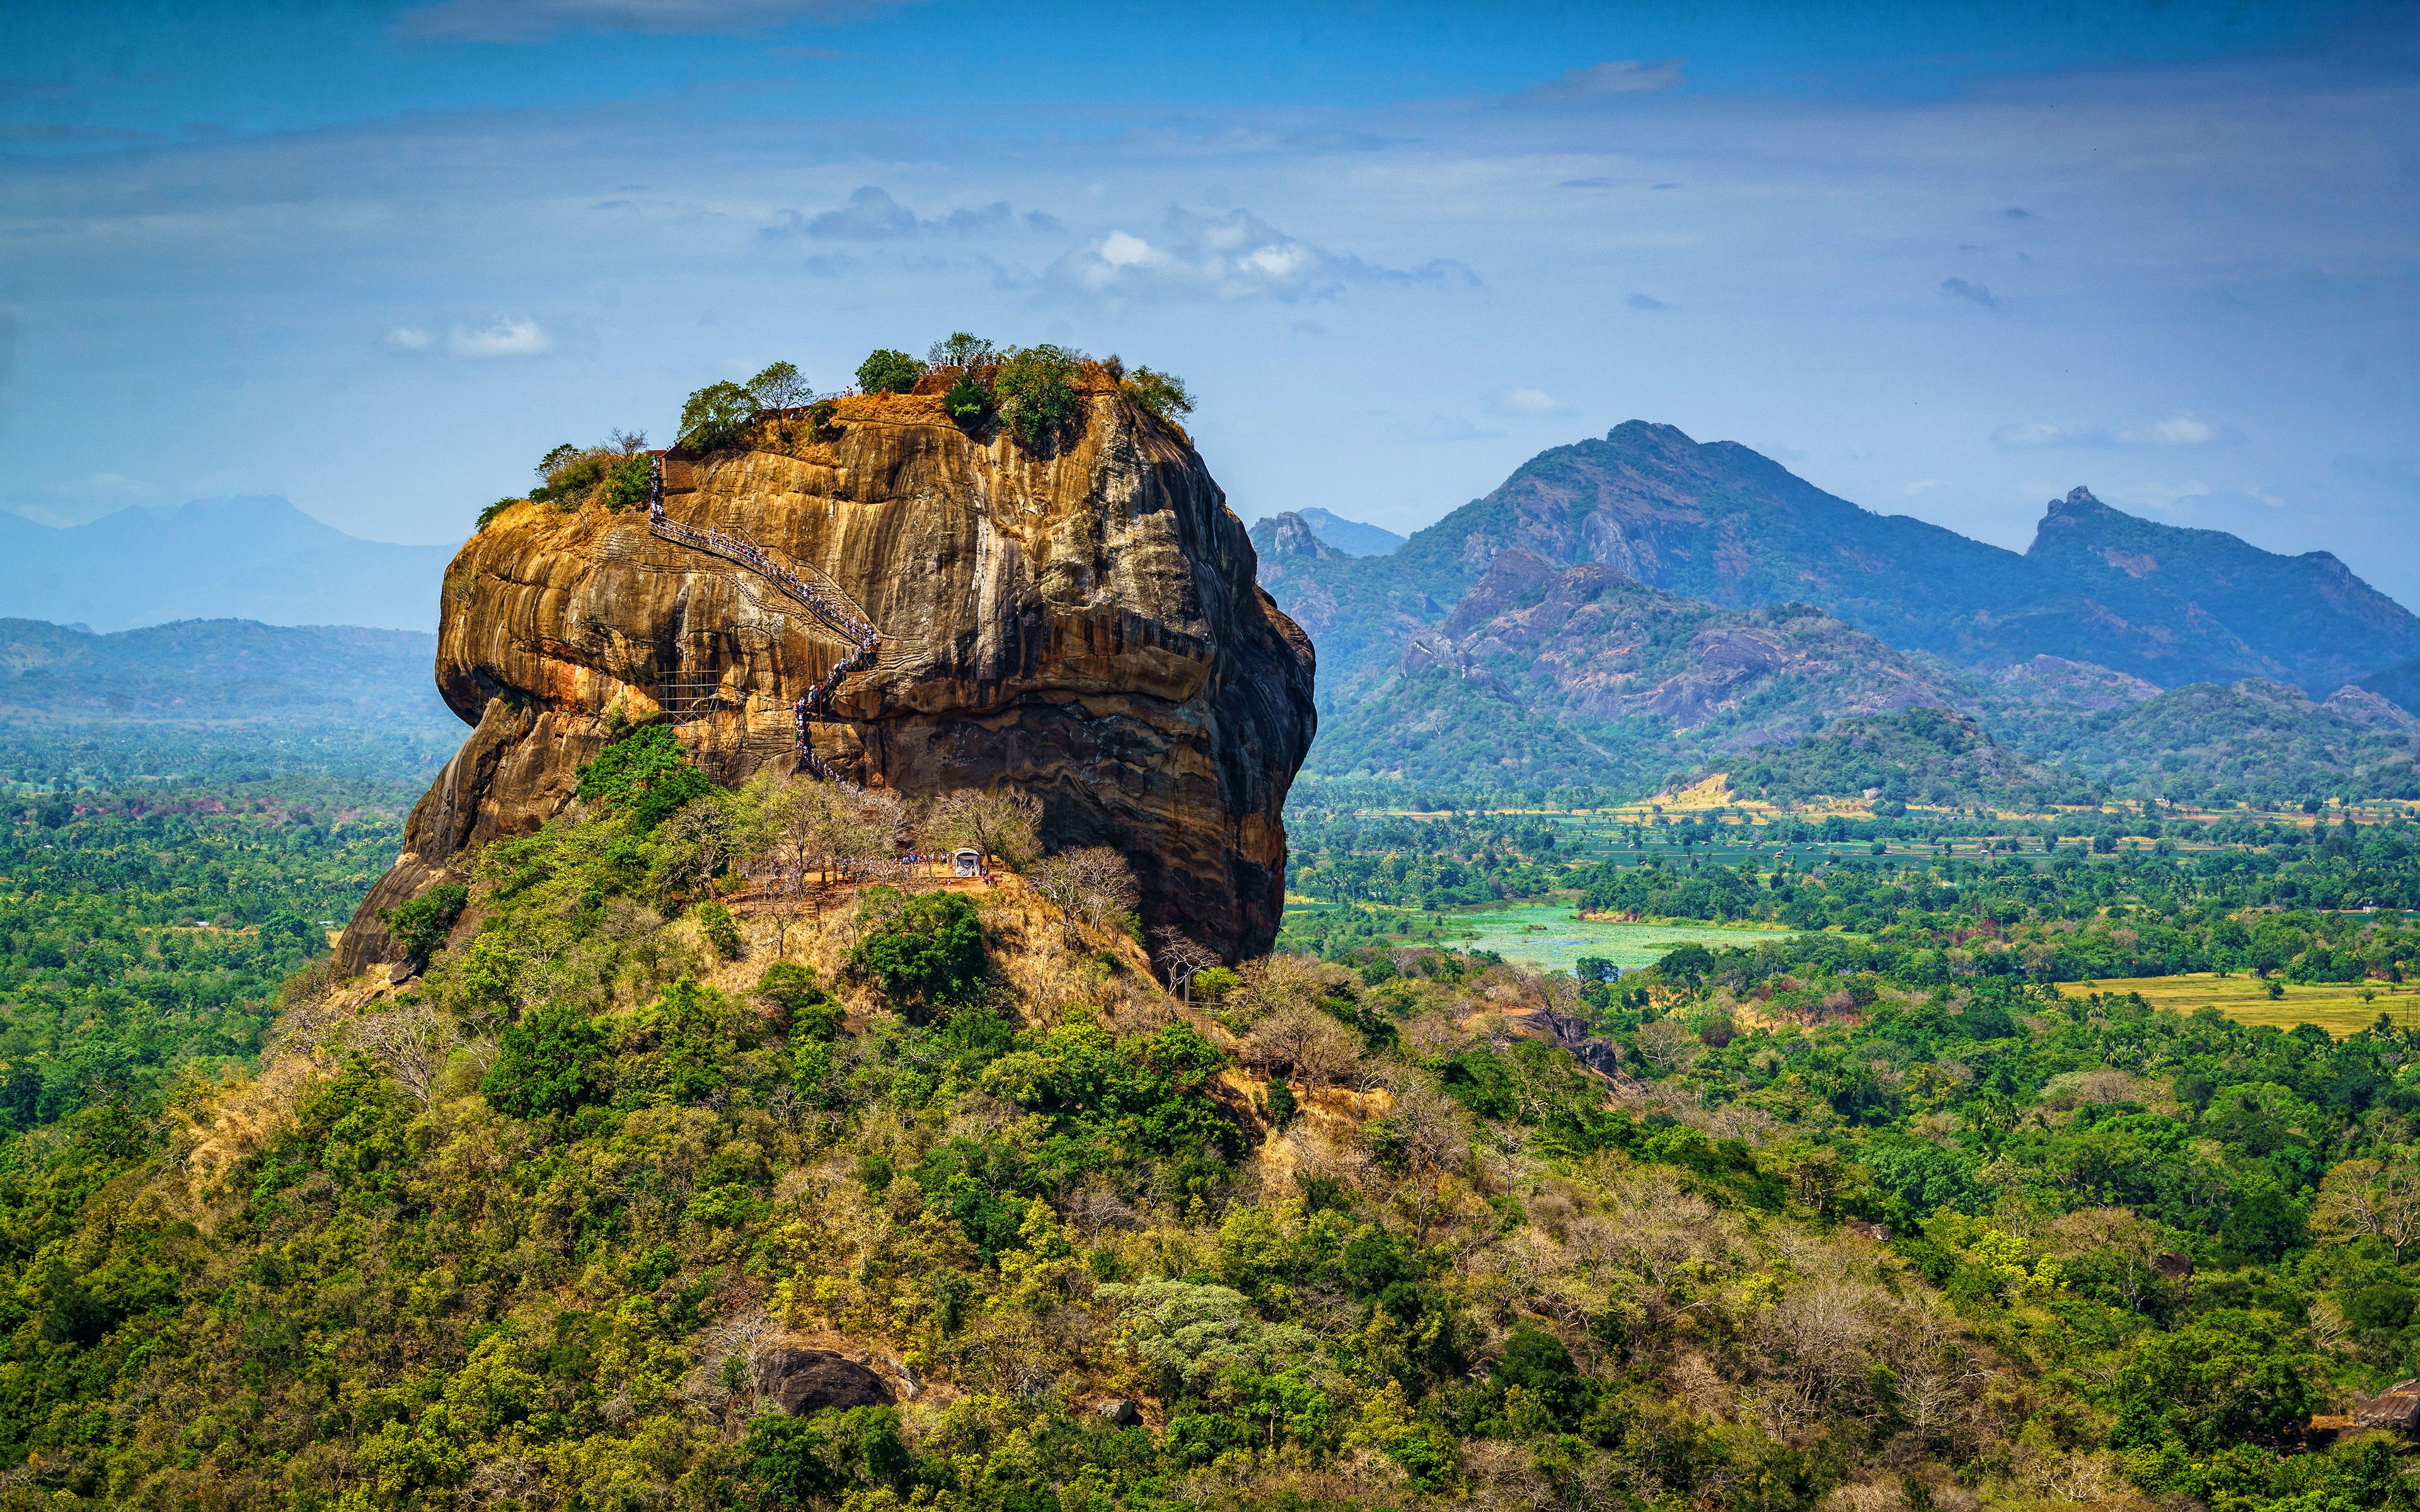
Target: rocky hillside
1543 673
2254 739
1718 522
1079 622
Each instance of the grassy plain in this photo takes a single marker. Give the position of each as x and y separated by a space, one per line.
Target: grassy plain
2340 1010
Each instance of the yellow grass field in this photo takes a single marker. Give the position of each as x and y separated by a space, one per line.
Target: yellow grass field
2338 1010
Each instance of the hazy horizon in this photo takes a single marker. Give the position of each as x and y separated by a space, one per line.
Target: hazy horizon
1948 265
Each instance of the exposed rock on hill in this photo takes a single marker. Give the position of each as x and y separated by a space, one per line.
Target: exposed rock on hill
1084 625
1580 673
1716 521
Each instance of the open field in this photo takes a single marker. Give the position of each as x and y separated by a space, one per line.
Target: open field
2337 1008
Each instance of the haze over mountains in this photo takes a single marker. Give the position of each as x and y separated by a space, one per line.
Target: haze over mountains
1619 605
1721 523
245 558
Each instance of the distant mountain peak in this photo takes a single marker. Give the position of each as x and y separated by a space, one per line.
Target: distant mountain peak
244 556
1289 534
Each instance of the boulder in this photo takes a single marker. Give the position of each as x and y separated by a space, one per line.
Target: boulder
1119 1411
812 1381
1079 622
2397 1408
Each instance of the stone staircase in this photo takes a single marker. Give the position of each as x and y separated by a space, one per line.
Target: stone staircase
821 597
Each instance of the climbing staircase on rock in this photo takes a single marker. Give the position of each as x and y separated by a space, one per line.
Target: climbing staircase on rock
822 597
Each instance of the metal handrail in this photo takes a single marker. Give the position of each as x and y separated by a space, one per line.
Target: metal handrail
831 607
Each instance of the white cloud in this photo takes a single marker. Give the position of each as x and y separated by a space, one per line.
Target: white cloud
2161 496
871 214
504 338
2178 430
2168 431
409 339
1231 256
1529 401
1922 485
1625 76
524 21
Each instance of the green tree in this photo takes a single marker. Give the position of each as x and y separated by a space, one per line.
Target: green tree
885 371
1035 390
967 400
961 348
645 775
926 948
555 1060
715 416
779 387
421 925
1162 394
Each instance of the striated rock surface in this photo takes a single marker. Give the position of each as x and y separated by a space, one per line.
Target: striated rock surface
1083 624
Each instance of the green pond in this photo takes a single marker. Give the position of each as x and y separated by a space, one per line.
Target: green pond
1550 936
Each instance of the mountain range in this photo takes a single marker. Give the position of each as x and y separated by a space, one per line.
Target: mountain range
250 558
222 672
1633 604
206 698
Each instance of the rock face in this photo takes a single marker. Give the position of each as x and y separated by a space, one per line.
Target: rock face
1081 623
815 1380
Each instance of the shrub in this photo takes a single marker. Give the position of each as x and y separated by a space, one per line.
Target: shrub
1035 390
720 929
967 400
627 483
487 516
421 925
1162 394
928 949
715 416
645 775
806 1010
571 475
885 371
555 1060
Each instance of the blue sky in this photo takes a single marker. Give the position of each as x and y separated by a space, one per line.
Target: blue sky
1948 261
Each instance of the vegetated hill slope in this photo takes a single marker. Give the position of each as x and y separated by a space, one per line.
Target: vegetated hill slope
1579 674
2399 684
219 673
248 558
2258 740
1922 756
218 700
1719 522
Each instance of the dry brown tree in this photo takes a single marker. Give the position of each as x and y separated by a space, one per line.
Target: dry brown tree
1431 1139
1304 1044
1091 886
1002 822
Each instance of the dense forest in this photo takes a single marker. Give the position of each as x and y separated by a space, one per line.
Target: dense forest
1863 1218
144 934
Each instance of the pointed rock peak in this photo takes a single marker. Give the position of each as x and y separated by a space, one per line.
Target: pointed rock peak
1291 535
2080 496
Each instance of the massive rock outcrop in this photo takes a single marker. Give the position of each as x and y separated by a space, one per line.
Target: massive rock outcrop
1079 622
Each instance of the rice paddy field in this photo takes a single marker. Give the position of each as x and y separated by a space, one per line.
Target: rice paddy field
2340 1010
